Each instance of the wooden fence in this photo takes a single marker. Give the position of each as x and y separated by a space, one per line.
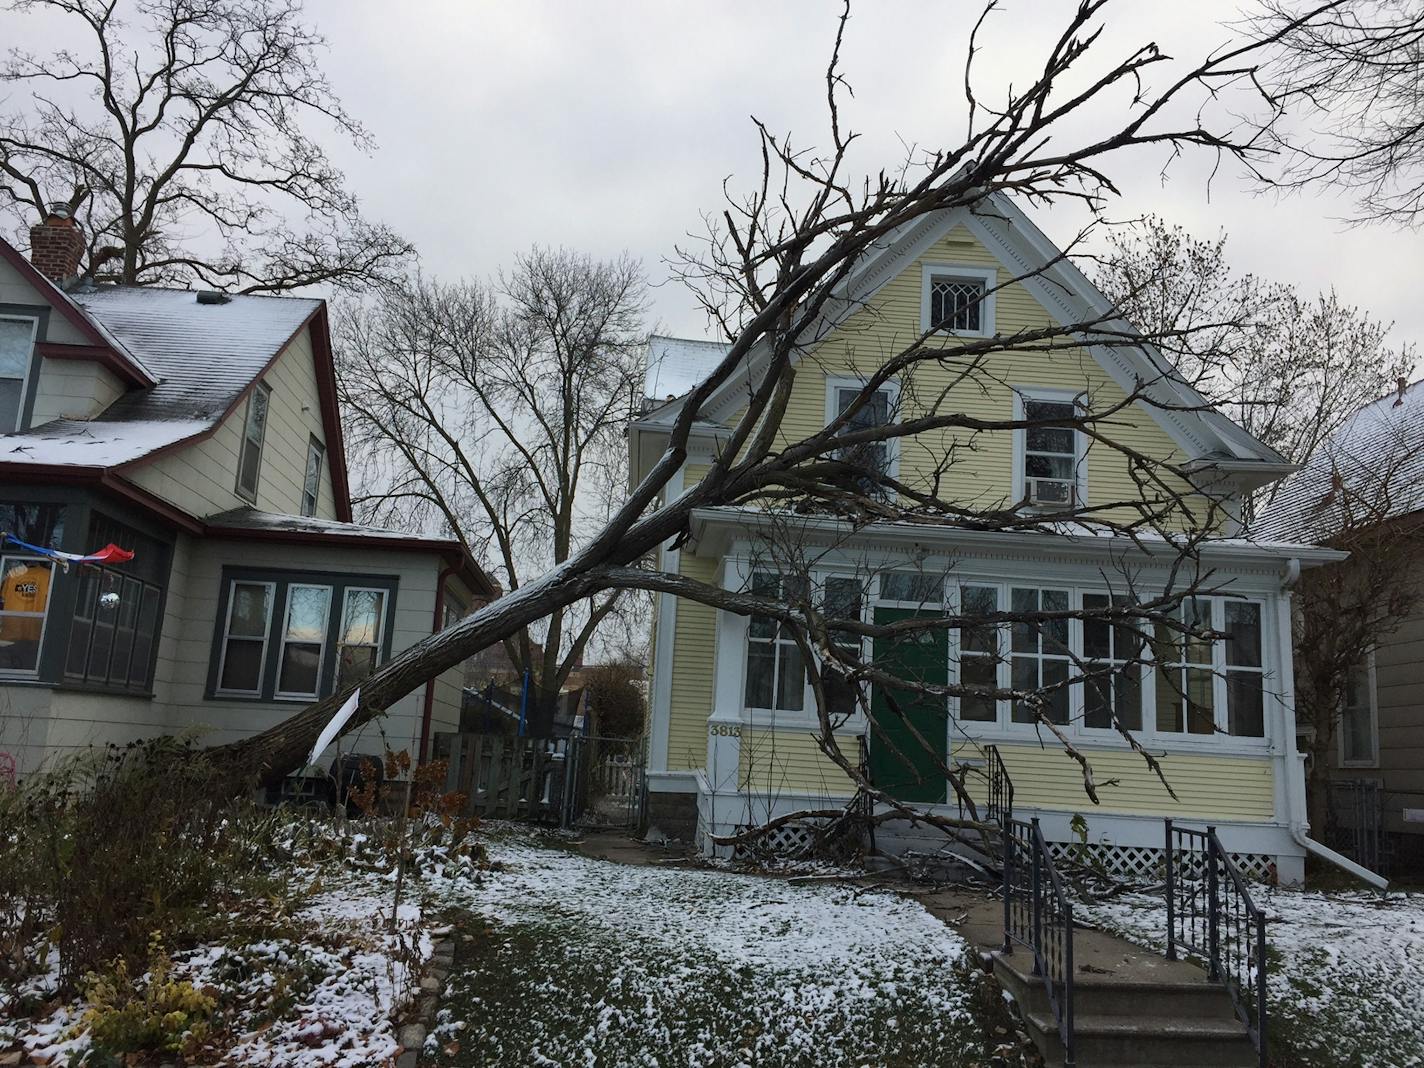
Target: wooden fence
505 777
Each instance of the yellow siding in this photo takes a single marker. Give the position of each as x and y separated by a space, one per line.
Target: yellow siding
891 322
786 761
694 656
1207 787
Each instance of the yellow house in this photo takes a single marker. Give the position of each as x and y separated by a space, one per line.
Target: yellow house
733 725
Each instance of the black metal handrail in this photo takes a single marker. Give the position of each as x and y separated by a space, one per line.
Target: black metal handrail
1038 914
1001 788
1210 915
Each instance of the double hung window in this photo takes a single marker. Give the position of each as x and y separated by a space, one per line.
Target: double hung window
1039 656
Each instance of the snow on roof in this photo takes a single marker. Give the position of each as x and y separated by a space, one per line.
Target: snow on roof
676 364
1376 459
203 355
252 519
95 443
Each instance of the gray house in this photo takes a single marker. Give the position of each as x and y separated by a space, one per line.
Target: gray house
1369 477
200 432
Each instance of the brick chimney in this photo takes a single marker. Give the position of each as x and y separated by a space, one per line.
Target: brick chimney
57 245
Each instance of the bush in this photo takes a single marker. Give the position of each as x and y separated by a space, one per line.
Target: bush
161 1014
106 848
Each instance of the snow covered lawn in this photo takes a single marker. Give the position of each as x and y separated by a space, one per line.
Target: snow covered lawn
576 961
1347 975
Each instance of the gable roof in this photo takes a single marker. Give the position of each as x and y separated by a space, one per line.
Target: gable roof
1375 460
1203 433
200 361
108 350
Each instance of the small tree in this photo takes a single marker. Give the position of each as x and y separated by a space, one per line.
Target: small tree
179 140
495 412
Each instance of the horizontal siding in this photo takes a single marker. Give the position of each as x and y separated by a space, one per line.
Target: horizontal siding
982 471
73 389
1207 787
789 761
694 660
15 289
201 478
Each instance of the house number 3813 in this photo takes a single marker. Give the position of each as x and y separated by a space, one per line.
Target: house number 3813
724 730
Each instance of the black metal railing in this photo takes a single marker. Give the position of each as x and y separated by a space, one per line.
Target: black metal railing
1038 915
865 801
1001 787
1210 915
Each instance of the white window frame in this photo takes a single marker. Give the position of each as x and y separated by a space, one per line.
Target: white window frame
338 642
1003 728
218 690
316 458
1113 661
1373 761
30 673
284 640
989 276
29 370
1019 480
266 391
891 389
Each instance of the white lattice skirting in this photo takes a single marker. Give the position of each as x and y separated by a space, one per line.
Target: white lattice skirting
1145 862
795 841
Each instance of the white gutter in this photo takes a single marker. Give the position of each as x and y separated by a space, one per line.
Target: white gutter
1293 769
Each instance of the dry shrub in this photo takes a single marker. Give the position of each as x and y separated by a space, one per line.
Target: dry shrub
107 848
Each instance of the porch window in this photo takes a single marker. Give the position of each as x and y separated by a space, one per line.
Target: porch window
1245 675
843 598
25 584
1359 718
254 434
1039 656
979 653
1111 657
1186 674
776 672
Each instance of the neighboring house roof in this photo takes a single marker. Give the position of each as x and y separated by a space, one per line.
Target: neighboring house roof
1373 465
275 526
1204 434
676 364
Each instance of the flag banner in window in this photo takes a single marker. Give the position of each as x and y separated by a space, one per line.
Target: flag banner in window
109 554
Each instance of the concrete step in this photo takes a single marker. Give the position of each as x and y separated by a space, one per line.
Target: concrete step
1109 1041
1107 995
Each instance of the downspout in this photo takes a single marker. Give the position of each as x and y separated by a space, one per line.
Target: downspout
1292 761
435 627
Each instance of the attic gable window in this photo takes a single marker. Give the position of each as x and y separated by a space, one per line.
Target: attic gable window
17 346
957 300
254 432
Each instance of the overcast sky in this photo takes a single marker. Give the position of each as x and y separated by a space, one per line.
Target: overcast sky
609 126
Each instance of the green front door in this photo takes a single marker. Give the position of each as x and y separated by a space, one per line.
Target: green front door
911 774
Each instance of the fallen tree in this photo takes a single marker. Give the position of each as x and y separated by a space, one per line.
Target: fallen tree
772 275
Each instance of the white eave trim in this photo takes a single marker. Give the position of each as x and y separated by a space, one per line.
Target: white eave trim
715 528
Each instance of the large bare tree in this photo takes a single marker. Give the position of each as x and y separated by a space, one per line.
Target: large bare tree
1352 80
496 412
177 132
1287 367
774 274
